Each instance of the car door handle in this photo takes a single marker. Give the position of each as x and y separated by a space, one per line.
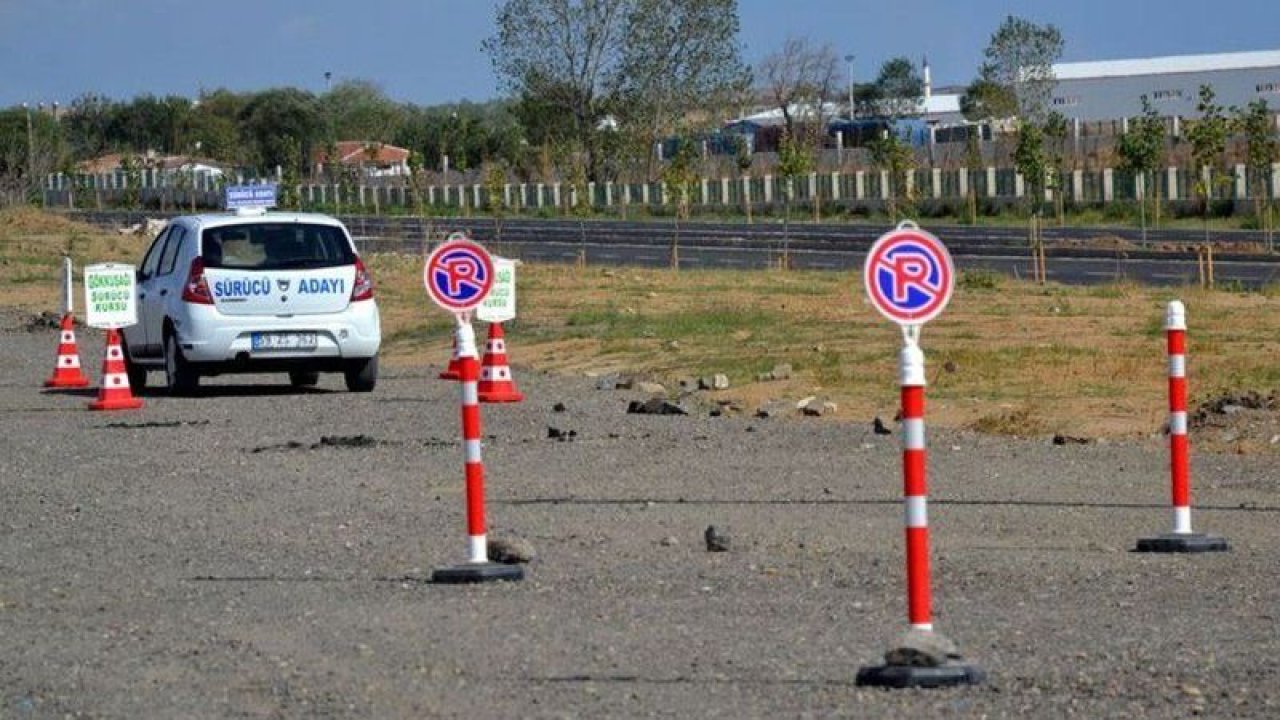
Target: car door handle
164 293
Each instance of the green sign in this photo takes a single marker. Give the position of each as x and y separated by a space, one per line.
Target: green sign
110 300
500 304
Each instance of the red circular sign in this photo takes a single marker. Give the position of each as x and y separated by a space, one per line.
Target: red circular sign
909 275
458 275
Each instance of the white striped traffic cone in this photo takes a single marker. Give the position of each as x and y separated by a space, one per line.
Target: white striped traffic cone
114 393
496 384
67 373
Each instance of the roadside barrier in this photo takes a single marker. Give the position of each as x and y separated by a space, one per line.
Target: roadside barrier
477 568
904 665
914 489
66 370
114 394
496 384
1182 539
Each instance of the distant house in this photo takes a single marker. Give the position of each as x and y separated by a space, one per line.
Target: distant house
112 163
372 159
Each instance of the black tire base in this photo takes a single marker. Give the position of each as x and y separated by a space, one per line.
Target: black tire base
1183 543
910 676
477 573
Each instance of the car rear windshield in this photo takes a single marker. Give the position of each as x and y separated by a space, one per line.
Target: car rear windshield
275 246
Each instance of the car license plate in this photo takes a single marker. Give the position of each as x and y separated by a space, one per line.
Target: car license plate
269 342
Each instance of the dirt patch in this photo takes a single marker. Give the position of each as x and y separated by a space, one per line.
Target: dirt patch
1098 242
327 441
1246 422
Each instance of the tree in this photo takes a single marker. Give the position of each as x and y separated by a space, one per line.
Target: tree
1141 151
988 100
215 126
973 165
1031 160
1055 138
281 127
358 110
891 154
1208 137
1255 122
31 147
1018 69
563 53
799 80
582 67
88 124
898 89
680 68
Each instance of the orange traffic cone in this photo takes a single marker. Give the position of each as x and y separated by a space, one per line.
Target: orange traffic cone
67 374
114 393
454 370
496 384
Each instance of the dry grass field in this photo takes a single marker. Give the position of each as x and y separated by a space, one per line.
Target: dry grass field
1006 356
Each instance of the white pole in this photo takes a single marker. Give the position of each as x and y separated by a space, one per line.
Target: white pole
67 292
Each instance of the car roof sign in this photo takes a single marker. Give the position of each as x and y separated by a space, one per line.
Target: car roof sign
250 199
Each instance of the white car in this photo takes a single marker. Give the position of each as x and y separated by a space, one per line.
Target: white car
254 291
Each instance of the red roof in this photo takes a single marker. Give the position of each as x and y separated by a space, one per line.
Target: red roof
355 152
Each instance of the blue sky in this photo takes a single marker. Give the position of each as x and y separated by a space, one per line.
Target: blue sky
428 51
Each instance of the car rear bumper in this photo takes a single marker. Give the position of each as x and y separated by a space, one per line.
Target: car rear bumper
213 339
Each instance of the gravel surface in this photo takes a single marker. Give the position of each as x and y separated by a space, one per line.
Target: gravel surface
263 552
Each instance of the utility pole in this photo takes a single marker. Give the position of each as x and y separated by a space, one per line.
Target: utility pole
31 155
849 59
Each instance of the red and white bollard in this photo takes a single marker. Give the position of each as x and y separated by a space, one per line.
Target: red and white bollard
477 568
1182 539
902 667
914 487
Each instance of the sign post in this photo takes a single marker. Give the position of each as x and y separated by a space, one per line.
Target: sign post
109 296
499 305
110 302
909 278
458 275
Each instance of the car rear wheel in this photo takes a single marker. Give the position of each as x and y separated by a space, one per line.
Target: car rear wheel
303 378
179 377
362 375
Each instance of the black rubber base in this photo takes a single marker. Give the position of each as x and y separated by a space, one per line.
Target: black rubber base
1183 543
910 676
476 573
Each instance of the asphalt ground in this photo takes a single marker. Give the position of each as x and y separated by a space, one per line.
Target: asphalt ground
217 557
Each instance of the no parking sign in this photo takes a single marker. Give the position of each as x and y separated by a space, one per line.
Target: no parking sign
458 274
909 275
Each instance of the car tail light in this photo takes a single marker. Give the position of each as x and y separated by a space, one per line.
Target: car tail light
197 288
362 288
